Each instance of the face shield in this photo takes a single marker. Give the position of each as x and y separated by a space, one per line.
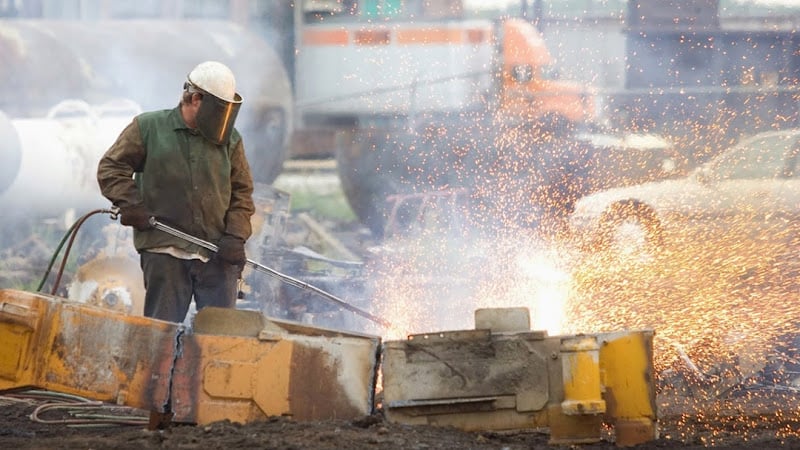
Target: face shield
216 117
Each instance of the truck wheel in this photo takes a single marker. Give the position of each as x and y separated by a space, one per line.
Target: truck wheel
557 124
369 174
630 228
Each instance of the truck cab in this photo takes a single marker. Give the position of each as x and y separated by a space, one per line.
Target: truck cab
528 93
387 62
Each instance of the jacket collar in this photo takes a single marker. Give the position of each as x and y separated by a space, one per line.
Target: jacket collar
176 119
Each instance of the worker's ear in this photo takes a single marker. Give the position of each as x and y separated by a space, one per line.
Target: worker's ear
197 98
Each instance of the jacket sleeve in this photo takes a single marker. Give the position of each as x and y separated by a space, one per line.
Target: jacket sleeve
237 218
117 166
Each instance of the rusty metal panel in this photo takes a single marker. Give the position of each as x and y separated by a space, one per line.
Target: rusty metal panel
18 321
480 380
187 375
467 372
306 377
83 350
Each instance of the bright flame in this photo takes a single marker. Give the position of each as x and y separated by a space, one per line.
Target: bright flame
421 287
549 286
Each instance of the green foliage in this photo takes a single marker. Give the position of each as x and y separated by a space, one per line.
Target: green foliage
318 193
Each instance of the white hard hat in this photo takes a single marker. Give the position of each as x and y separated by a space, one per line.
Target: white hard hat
216 79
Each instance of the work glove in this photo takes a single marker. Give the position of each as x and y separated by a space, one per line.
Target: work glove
231 250
136 216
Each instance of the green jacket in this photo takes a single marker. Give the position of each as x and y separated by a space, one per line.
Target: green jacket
183 179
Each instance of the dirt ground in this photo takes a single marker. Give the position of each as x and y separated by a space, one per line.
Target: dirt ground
759 420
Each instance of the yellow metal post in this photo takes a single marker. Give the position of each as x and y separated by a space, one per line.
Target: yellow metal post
580 359
626 361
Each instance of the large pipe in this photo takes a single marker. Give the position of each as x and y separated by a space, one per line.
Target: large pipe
10 152
57 158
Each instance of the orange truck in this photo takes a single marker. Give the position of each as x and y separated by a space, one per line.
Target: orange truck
527 91
403 92
359 65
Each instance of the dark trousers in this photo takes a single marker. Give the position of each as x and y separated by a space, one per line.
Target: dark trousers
170 283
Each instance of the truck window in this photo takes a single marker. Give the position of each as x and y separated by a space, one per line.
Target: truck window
382 8
315 11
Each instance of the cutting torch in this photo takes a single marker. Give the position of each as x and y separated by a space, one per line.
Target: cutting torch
270 271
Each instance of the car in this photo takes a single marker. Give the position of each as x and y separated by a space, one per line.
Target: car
631 158
748 193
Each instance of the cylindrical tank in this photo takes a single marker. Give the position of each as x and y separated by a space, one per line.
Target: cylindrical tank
146 61
433 152
10 152
58 155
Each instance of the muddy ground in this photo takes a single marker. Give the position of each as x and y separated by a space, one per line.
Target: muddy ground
772 422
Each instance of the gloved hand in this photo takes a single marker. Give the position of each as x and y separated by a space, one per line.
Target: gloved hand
136 216
231 250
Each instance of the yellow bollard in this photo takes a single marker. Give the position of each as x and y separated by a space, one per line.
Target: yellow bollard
626 361
580 359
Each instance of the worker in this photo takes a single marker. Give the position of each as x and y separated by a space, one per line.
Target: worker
187 168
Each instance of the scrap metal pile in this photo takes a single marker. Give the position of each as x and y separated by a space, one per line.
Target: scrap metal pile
239 366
